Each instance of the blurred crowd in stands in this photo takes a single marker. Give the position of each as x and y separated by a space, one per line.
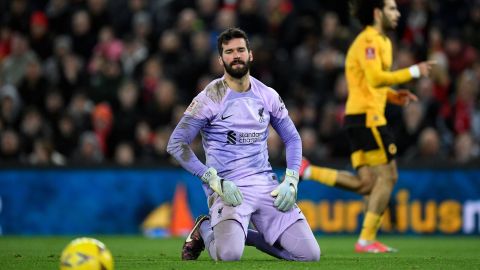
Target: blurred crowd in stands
104 81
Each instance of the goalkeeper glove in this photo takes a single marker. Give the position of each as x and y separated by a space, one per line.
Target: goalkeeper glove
227 190
286 192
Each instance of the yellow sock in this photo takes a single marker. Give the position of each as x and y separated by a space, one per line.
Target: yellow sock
323 175
370 227
379 223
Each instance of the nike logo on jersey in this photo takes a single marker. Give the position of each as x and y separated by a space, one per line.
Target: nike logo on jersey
225 117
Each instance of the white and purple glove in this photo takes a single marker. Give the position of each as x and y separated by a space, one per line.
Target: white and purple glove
286 192
227 190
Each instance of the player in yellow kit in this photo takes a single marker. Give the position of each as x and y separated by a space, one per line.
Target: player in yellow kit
369 79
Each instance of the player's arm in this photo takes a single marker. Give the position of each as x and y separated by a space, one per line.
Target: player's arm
377 77
374 73
179 144
286 192
400 97
290 137
179 147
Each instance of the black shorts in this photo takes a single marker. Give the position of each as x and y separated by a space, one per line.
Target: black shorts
371 146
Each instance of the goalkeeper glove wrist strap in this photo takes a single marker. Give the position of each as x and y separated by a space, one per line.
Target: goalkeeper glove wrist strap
292 173
209 174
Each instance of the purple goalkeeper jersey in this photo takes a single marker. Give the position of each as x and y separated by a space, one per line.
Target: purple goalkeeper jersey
234 128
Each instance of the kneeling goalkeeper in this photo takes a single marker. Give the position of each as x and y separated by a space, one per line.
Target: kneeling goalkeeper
233 114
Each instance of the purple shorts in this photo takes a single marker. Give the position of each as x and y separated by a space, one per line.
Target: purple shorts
258 208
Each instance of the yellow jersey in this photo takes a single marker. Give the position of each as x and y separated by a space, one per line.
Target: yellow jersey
368 75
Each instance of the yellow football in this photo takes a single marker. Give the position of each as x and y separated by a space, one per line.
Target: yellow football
86 254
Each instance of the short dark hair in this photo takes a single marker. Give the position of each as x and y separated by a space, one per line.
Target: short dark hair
363 10
230 34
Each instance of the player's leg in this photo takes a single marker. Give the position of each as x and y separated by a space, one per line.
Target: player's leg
387 177
377 203
256 239
334 178
227 241
362 183
224 242
224 234
279 228
299 241
296 243
385 170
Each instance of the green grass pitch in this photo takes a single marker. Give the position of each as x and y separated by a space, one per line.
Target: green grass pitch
136 252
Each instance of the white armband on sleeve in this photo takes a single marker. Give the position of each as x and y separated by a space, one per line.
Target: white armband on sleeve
414 71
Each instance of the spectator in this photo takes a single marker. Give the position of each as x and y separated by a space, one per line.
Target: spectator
467 92
89 151
66 136
160 142
44 154
5 42
32 128
13 67
62 46
124 154
104 84
471 27
142 30
102 121
428 149
124 14
125 108
99 15
198 62
151 75
72 76
186 25
312 148
173 58
207 9
250 19
83 37
10 106
460 55
144 142
10 151
134 53
33 87
40 38
465 149
408 132
17 18
160 109
59 14
108 48
54 106
80 109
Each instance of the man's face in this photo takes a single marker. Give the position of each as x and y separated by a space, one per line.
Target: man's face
236 58
390 15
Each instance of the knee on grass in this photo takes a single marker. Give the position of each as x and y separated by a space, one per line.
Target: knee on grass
231 253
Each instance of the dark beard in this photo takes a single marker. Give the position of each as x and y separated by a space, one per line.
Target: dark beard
387 25
239 72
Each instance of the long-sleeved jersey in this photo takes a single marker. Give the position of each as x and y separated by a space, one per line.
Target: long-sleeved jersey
234 129
369 78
